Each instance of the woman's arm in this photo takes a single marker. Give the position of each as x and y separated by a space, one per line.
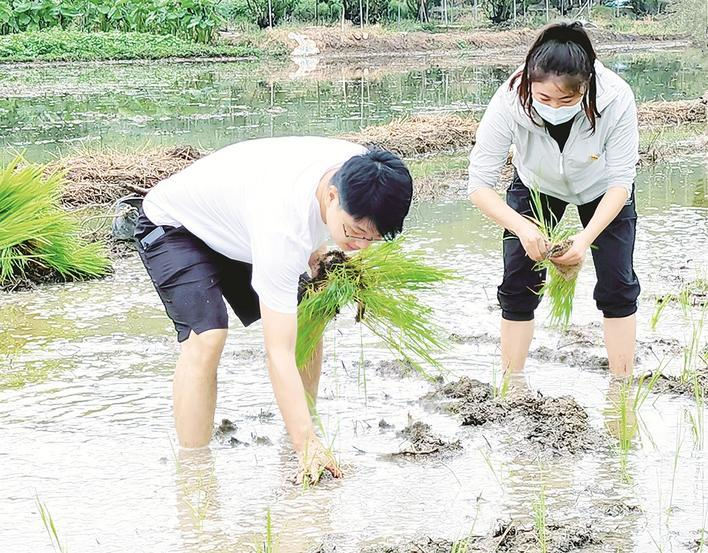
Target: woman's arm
489 202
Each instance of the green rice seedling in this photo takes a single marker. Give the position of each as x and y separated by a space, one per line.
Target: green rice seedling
269 543
198 495
560 282
501 390
661 304
697 418
381 282
38 239
540 512
692 350
628 419
50 527
677 453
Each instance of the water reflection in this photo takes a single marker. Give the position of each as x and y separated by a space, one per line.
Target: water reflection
49 109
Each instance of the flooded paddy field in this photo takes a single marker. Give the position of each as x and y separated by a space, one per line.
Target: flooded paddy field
85 380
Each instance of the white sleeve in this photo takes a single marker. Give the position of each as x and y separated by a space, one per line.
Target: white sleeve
491 149
622 148
278 262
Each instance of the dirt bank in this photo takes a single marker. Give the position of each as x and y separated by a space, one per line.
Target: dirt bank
349 40
548 425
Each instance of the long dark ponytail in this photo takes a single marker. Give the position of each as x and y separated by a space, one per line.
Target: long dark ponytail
564 50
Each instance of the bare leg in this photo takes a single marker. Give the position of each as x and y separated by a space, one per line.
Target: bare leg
194 387
515 342
310 376
620 339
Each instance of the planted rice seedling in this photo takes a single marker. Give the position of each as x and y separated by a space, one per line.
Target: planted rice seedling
381 282
50 527
626 414
38 240
540 512
269 543
560 282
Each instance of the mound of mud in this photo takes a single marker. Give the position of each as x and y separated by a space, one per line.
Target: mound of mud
561 538
549 425
576 357
419 439
667 384
506 538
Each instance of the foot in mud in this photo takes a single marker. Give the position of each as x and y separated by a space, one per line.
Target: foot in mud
419 439
548 425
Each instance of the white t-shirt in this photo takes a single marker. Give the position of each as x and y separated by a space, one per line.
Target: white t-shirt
254 201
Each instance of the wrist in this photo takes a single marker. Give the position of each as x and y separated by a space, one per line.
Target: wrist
519 224
586 237
301 437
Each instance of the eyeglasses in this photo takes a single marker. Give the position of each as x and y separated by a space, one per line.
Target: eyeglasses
344 228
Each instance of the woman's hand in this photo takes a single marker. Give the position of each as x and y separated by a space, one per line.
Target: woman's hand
531 239
314 460
576 252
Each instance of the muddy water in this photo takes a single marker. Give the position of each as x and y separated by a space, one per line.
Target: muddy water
86 423
50 109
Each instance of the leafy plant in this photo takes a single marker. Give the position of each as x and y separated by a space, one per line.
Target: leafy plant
50 527
559 285
197 20
269 543
381 281
38 239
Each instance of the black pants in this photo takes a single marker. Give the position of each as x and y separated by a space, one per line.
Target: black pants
617 287
193 280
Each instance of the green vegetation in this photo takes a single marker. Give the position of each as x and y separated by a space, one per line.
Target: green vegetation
540 512
625 414
50 527
59 45
268 544
560 282
38 240
196 20
381 281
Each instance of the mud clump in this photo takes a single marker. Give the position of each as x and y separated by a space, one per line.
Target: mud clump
395 368
420 440
506 538
561 538
550 425
484 338
667 384
418 545
571 357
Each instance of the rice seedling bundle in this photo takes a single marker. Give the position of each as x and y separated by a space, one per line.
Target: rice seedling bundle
381 282
559 285
39 240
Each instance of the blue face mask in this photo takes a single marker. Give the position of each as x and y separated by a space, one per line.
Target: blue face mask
556 116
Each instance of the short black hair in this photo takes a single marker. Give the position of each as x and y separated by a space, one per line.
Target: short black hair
376 186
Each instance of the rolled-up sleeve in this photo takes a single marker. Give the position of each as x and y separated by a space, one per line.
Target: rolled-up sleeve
491 149
622 148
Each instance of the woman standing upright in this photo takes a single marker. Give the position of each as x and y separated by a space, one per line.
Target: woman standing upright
573 126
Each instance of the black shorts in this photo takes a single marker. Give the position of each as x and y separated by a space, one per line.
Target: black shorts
617 287
193 280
